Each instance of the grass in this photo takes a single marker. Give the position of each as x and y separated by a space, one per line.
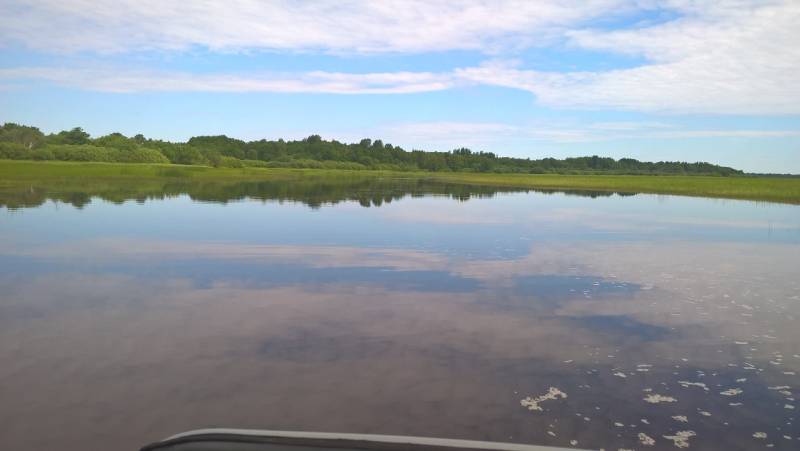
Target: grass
784 190
44 170
771 189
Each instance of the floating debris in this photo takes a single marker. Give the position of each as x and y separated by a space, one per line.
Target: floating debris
680 418
646 440
620 374
788 406
744 379
656 398
681 438
573 442
732 392
704 413
619 425
533 403
761 435
551 433
687 384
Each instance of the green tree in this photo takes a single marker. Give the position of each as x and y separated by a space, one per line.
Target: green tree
117 141
27 137
75 136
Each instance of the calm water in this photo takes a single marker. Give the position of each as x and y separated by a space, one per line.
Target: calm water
129 312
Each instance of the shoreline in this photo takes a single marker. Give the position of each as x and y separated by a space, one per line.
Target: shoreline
753 188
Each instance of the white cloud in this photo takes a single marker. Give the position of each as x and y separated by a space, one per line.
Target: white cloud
733 57
360 26
107 80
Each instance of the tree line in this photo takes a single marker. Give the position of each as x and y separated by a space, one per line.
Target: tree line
22 142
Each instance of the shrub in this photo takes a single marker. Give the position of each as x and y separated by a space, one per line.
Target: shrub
13 151
230 162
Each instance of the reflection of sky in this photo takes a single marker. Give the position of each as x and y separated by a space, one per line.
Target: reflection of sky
205 273
500 227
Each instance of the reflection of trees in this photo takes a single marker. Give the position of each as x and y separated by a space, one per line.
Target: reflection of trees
585 193
312 191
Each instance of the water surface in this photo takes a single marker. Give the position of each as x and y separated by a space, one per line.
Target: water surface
130 311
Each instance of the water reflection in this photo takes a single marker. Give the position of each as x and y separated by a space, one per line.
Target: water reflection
123 333
313 191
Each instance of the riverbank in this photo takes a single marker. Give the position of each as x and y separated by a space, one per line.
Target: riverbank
770 189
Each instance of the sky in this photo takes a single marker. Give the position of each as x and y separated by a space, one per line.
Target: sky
686 80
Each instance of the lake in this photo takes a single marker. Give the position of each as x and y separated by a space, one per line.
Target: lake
130 311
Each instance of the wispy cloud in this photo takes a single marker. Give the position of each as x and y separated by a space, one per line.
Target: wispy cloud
349 26
726 134
629 126
120 81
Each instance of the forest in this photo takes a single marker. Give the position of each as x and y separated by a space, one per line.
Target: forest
21 142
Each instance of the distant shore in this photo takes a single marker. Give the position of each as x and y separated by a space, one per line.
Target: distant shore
769 189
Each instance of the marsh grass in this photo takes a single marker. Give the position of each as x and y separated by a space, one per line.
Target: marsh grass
772 189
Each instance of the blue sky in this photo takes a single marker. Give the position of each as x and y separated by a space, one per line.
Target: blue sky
654 80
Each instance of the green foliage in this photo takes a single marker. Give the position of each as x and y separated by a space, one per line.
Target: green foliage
317 153
230 162
13 151
22 135
95 153
73 137
141 155
183 154
116 141
228 147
